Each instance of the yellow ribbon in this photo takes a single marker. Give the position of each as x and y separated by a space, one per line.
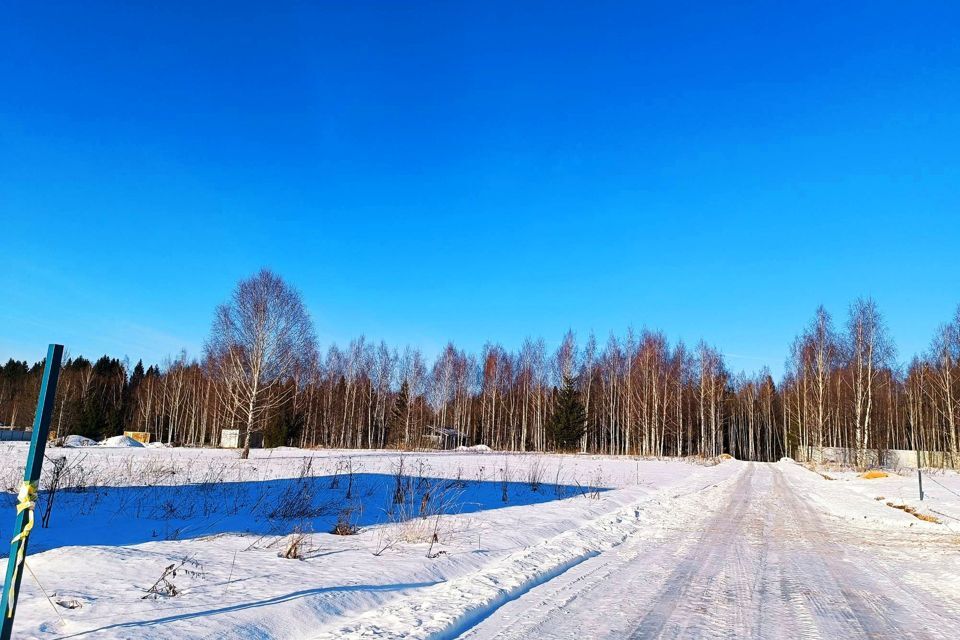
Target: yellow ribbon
26 499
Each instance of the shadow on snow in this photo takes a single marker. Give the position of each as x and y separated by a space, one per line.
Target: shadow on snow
116 516
248 605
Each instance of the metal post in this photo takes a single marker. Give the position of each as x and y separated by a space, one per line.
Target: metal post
28 490
919 465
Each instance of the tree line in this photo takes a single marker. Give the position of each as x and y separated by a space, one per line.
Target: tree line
636 393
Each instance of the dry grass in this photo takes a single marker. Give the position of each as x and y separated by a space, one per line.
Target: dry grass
916 514
346 522
873 474
809 466
726 456
296 546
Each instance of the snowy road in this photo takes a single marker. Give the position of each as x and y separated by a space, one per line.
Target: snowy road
762 563
672 549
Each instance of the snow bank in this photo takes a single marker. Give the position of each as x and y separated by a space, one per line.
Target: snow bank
860 501
480 448
78 441
120 441
787 459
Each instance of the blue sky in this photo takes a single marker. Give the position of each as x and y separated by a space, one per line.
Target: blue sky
477 171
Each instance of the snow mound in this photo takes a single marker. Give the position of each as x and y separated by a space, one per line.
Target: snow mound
726 456
481 448
156 445
78 441
120 441
787 459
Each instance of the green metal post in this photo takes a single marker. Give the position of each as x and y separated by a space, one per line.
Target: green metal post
28 491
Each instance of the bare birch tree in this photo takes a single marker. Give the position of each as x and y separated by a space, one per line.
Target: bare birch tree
944 356
258 341
820 347
869 352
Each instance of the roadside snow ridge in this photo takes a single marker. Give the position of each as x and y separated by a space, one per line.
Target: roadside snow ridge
446 610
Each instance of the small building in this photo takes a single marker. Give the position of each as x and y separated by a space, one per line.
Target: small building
143 437
443 437
15 434
233 439
230 439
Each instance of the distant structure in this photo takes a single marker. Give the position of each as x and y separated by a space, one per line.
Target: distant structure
230 439
14 434
873 457
142 437
443 437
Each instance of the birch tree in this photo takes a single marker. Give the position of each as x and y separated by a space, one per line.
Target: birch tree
945 359
869 351
820 356
258 340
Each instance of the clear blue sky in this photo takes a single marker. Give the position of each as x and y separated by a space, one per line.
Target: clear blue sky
475 171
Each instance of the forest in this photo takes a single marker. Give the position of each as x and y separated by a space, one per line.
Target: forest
633 394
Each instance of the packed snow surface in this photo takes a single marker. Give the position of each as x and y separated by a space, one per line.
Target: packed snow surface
121 441
450 544
78 441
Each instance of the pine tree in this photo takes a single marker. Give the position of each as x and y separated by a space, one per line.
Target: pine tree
565 426
138 374
130 393
398 416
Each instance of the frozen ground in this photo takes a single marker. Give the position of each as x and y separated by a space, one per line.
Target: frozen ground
599 547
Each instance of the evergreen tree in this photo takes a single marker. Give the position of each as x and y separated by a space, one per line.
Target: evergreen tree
565 427
14 379
99 410
398 416
130 394
138 375
283 427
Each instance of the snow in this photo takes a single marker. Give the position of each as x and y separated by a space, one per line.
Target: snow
578 537
444 609
761 563
479 448
941 498
121 441
78 441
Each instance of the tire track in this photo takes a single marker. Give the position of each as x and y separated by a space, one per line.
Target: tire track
867 608
550 605
760 562
810 582
702 561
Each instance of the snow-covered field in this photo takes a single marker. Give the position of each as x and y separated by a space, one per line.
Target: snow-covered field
479 544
